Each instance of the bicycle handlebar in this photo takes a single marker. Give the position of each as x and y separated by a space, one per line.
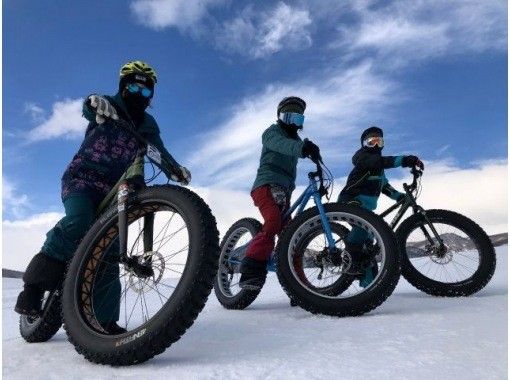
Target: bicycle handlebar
417 173
320 174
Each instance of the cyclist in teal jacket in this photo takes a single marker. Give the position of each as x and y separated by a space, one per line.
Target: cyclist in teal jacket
273 186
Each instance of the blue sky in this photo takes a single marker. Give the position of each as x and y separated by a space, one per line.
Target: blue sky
432 74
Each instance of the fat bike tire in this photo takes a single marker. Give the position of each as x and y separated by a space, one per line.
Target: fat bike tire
177 314
316 302
244 297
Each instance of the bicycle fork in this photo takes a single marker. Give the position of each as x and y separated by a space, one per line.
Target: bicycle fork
140 265
419 210
325 222
122 202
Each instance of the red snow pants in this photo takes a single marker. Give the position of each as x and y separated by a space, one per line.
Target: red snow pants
262 244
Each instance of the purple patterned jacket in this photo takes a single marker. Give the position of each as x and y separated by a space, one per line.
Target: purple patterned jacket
104 155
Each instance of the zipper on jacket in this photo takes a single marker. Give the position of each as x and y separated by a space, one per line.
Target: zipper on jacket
358 181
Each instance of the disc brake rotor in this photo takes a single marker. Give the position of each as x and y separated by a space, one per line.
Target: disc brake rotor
440 255
143 285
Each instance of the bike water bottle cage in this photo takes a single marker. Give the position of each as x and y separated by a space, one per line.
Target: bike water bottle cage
135 87
372 141
292 118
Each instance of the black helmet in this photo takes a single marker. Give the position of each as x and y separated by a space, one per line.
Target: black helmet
373 130
291 104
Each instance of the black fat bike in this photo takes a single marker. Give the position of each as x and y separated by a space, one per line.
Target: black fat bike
147 264
443 253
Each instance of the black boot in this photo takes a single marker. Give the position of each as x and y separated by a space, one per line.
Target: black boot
43 273
357 256
29 301
253 274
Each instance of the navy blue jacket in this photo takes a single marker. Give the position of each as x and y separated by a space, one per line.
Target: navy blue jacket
367 180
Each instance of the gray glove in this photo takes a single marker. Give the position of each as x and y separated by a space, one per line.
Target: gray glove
103 108
183 177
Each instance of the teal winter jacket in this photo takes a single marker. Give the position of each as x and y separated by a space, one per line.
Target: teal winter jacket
278 159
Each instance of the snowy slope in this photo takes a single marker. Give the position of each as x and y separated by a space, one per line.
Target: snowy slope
412 335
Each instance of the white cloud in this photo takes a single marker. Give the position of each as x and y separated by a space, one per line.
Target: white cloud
401 32
252 33
65 121
442 149
160 14
13 203
343 101
260 34
35 112
23 238
397 32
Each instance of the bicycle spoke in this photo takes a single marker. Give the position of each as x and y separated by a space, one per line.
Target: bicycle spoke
155 288
170 237
134 305
168 223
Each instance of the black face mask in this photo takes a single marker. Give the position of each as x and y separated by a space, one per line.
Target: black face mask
291 130
136 105
374 150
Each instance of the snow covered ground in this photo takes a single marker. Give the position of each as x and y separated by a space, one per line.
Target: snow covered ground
412 335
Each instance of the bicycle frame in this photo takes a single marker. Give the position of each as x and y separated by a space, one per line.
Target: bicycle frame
404 205
312 191
410 202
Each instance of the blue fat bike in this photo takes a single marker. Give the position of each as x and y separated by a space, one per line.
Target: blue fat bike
147 264
310 259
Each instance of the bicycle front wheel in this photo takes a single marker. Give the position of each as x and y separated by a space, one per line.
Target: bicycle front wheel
123 312
318 282
463 265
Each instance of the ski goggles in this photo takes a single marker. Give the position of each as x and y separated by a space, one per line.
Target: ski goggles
292 118
372 141
135 87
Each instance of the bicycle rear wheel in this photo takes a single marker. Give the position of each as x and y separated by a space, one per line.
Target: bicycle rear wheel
226 286
43 328
157 294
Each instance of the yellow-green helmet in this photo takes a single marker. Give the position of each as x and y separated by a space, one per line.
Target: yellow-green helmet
138 67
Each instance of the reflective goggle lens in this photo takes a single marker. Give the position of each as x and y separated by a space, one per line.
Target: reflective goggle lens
373 141
134 88
292 118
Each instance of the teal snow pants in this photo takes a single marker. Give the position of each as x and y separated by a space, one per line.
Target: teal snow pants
62 242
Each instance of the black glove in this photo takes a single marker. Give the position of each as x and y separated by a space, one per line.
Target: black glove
311 150
411 162
183 176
